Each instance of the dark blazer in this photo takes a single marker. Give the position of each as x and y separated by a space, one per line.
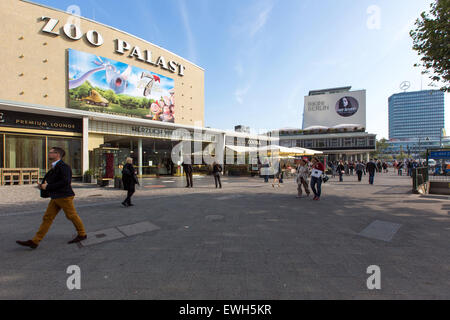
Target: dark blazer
129 176
217 168
59 181
187 168
371 168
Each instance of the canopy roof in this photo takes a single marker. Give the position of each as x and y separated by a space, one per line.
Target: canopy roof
276 148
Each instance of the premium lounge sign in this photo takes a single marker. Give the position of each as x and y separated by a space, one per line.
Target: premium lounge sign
74 32
36 121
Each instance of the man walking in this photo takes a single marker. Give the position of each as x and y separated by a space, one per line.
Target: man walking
187 167
359 170
371 168
217 170
57 183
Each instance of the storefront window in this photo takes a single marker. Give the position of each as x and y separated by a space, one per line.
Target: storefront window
72 147
1 150
25 152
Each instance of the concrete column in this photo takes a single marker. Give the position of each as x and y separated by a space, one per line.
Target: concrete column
140 163
85 145
368 156
220 149
181 159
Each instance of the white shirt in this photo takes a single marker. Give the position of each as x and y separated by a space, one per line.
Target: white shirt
54 163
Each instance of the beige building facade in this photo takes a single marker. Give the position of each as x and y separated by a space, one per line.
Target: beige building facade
37 67
99 93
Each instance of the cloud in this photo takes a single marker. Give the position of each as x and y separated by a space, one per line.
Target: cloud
252 19
187 27
239 94
239 69
261 19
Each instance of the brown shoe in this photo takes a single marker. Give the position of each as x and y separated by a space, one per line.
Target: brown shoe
28 243
77 239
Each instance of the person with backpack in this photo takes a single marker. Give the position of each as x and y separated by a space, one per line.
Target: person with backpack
371 169
359 170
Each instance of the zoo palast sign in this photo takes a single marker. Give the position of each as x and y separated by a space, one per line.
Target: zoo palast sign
74 32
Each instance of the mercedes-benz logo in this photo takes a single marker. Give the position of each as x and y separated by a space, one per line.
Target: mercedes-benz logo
405 85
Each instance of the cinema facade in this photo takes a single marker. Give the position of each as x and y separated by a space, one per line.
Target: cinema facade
99 93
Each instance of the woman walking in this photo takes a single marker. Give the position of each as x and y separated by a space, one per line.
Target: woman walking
302 178
316 178
278 176
341 170
129 181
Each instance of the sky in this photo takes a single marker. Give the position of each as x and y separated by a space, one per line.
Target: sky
261 57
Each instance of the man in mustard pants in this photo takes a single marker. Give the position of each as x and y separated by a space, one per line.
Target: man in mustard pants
58 186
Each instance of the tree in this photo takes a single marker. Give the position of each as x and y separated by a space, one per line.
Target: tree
110 96
84 89
381 149
432 42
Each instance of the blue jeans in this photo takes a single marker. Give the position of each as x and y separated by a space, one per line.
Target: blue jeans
371 177
316 181
266 178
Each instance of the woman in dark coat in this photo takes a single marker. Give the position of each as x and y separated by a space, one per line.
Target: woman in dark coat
129 181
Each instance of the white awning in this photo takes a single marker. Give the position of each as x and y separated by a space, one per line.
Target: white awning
242 149
292 151
307 152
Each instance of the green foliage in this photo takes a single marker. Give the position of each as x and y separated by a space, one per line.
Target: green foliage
402 156
432 42
118 103
381 148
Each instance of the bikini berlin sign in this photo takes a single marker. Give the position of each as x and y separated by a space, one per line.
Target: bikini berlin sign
74 32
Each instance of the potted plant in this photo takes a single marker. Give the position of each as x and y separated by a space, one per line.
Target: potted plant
118 183
87 177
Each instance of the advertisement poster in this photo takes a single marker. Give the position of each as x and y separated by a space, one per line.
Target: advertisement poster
103 85
334 110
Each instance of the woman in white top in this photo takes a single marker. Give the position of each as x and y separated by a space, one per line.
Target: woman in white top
302 178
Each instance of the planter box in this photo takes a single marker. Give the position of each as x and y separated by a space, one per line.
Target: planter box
118 183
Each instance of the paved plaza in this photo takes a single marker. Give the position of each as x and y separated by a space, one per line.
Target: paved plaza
245 241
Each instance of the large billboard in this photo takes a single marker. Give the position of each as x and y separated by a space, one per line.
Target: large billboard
103 85
334 110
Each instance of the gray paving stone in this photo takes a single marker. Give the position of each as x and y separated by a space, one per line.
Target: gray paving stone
138 228
381 230
260 250
101 236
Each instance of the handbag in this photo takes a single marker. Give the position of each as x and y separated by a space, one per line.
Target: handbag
325 178
44 193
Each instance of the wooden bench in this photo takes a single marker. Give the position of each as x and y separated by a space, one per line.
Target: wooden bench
19 176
